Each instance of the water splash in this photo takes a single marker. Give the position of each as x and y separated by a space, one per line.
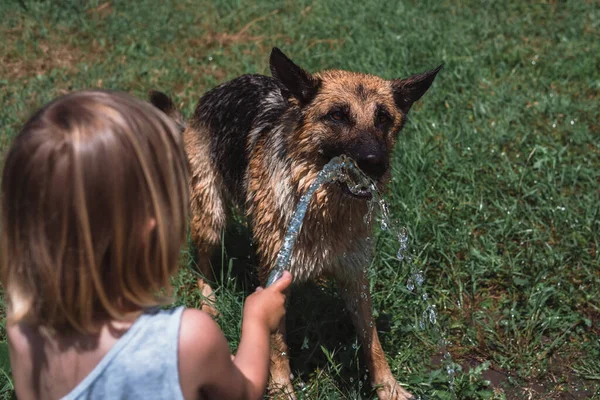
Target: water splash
344 169
428 318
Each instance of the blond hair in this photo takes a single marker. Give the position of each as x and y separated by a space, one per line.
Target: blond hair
94 211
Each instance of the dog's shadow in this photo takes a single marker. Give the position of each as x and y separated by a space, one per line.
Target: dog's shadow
320 333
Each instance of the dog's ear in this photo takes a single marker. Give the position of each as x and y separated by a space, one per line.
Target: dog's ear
302 85
166 105
407 91
161 101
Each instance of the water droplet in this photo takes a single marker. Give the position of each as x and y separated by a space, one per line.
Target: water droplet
384 225
400 253
419 278
432 316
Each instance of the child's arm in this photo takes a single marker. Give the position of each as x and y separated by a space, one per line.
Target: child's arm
205 365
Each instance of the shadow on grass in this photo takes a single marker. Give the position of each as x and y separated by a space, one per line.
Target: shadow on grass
320 333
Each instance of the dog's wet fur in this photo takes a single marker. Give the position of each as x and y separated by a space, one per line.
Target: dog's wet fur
259 142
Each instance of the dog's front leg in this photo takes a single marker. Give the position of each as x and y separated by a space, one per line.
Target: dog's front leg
280 385
357 296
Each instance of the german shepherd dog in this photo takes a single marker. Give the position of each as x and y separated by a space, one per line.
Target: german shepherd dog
259 142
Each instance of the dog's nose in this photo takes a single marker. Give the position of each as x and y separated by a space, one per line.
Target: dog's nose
373 164
372 160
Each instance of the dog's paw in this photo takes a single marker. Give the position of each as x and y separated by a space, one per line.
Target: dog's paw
209 298
281 390
392 390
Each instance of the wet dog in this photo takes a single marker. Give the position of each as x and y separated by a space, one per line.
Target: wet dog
260 141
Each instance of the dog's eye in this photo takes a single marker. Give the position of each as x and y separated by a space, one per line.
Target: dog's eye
382 118
337 116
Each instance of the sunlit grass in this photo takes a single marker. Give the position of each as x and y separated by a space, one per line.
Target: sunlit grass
496 175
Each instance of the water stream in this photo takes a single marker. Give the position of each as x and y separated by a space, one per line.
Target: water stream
342 169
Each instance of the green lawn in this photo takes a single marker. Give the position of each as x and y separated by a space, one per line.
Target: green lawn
496 177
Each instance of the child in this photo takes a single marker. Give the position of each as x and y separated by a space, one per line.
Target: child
94 209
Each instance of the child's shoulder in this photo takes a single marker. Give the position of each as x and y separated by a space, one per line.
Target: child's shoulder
196 325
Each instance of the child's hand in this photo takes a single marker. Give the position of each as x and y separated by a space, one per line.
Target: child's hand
267 306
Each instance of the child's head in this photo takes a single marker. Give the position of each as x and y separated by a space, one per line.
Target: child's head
94 210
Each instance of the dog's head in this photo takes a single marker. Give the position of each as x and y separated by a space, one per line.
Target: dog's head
349 113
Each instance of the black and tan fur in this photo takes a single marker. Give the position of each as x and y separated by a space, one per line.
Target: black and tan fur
260 141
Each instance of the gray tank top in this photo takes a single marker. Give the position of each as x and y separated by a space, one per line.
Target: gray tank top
141 365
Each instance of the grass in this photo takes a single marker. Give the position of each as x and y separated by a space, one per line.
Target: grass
496 176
